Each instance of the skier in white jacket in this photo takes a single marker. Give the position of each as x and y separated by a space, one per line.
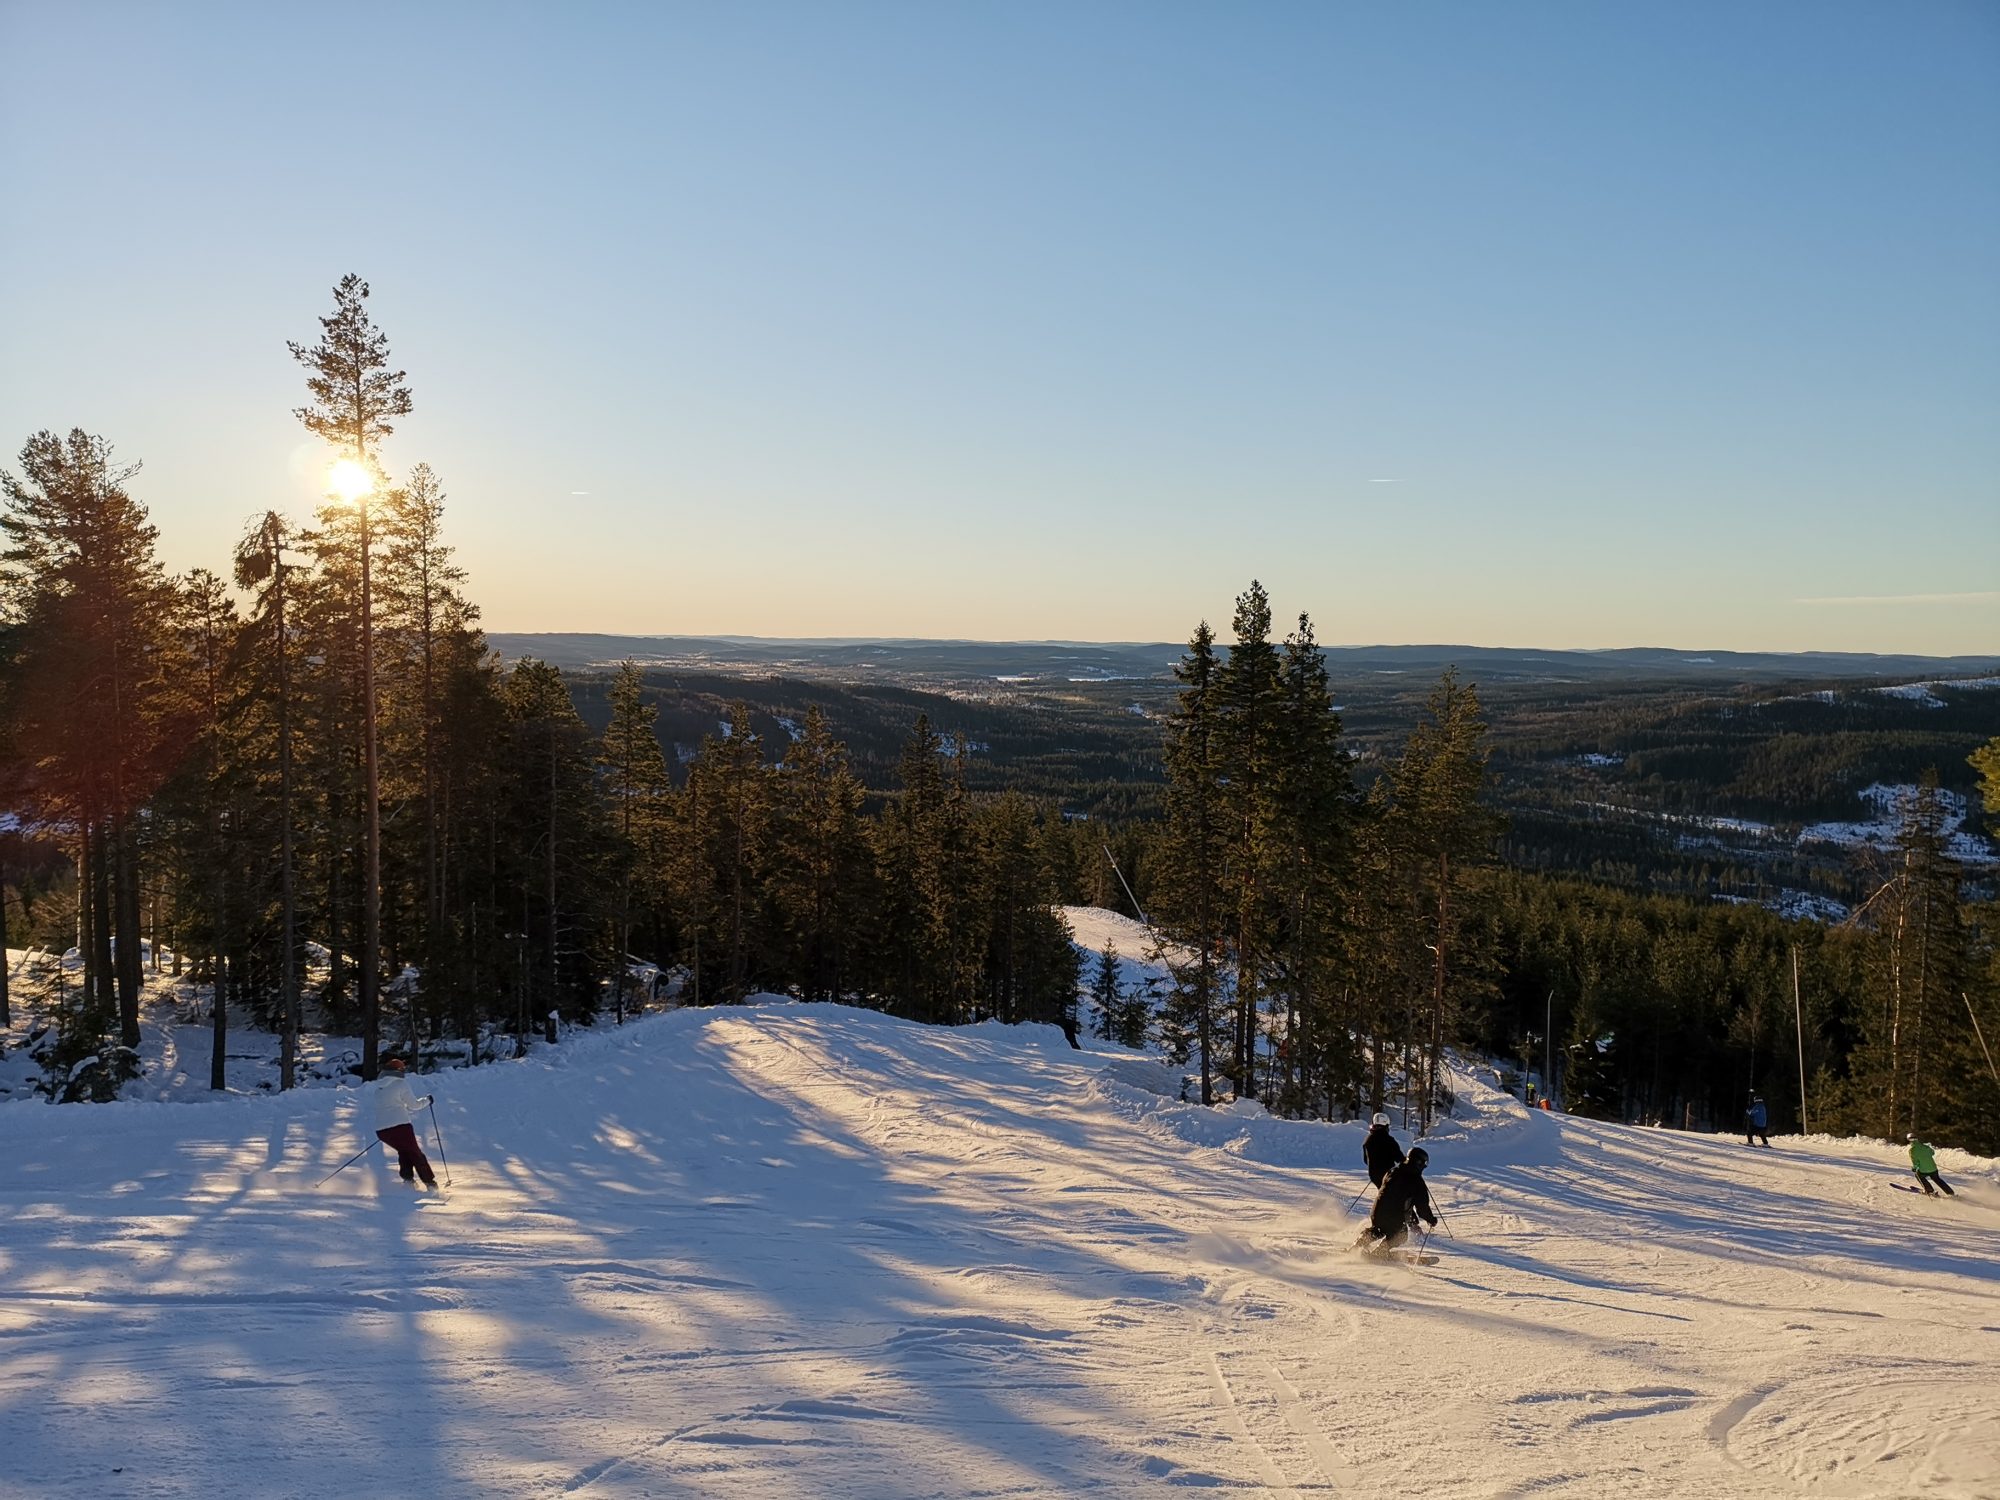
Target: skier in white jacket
394 1107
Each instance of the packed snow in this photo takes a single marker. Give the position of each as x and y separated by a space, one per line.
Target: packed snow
806 1251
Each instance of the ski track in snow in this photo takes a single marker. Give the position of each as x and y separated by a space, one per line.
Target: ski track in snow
803 1251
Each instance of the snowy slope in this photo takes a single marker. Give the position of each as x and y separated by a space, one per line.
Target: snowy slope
1094 930
805 1251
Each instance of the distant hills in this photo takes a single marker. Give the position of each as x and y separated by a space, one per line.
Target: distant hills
1110 661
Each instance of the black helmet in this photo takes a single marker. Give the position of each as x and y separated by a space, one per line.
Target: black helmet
1418 1156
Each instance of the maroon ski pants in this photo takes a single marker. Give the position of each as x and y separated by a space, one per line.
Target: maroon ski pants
410 1158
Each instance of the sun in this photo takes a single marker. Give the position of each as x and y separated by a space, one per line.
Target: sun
350 481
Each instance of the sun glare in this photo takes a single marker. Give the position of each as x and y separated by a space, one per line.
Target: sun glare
350 481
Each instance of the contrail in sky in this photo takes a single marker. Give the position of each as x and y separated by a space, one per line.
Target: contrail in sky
1977 597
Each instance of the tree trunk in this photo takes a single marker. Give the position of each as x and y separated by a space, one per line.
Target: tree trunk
104 1001
288 897
371 878
335 896
218 1071
125 894
6 1010
555 950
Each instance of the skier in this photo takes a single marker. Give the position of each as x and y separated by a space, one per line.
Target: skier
1923 1161
1754 1119
1403 1200
1379 1150
1531 1093
394 1106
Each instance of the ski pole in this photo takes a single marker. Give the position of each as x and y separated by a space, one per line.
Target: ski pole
1443 1222
440 1140
1354 1200
346 1164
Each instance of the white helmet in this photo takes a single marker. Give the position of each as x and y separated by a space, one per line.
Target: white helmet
1379 1120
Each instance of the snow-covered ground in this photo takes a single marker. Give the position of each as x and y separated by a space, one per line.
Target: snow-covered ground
1095 929
804 1251
1879 832
1795 906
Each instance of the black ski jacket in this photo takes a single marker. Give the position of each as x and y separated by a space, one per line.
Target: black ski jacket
1381 1153
1403 1193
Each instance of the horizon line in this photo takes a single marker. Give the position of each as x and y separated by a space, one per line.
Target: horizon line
1693 653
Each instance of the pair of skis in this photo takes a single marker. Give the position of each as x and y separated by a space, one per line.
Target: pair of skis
431 1105
1904 1187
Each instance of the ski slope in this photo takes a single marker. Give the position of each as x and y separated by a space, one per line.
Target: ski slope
804 1251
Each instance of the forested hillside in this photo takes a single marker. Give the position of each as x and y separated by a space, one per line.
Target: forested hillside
323 794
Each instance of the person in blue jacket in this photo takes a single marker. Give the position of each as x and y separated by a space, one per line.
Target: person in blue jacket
1754 1120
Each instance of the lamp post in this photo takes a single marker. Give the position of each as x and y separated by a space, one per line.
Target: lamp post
352 482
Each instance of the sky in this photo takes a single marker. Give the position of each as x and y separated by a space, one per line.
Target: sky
1537 324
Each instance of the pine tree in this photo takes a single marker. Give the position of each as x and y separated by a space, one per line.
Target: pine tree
1986 761
80 578
1922 971
324 611
355 396
1438 831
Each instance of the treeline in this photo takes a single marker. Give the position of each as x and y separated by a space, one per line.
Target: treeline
1327 942
1674 1010
336 794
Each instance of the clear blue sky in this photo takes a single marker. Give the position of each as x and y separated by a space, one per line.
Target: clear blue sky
1532 324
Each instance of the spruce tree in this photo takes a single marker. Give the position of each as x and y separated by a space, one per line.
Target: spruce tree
1107 995
262 565
637 784
914 932
729 790
822 875
208 625
1250 704
421 602
1193 910
559 844
1312 868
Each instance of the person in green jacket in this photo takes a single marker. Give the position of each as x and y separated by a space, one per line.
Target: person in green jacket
1924 1161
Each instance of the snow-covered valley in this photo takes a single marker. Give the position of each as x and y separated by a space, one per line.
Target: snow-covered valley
806 1251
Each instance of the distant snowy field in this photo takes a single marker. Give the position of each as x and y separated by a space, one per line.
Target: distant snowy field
804 1251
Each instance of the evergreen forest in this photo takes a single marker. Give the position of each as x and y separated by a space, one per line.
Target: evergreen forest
303 779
